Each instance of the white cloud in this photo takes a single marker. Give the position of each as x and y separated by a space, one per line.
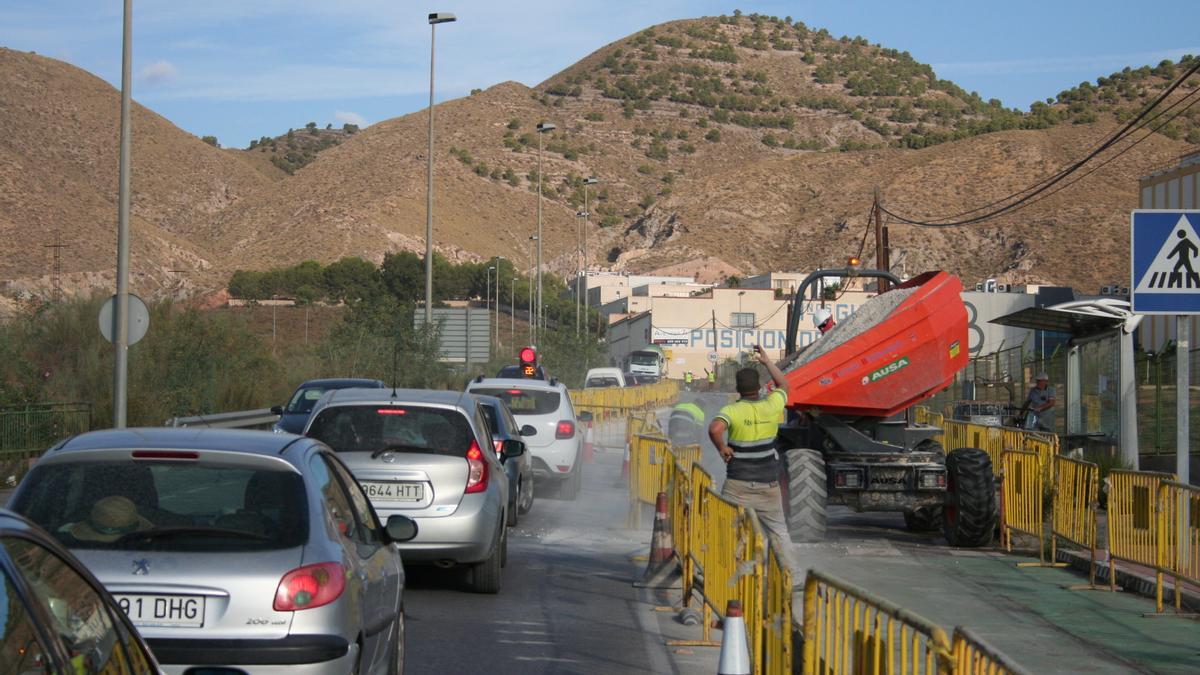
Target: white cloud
160 72
347 117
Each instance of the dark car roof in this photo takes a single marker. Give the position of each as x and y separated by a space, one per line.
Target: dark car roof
344 383
181 438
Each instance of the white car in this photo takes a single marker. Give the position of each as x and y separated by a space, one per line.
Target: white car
604 377
548 427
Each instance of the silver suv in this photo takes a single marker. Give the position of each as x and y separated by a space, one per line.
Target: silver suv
428 455
229 550
549 427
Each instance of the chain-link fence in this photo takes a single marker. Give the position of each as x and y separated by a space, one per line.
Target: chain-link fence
1006 377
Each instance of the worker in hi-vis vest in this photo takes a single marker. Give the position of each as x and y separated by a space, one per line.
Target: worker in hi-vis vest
685 426
744 432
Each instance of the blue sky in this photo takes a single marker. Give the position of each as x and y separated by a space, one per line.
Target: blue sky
240 69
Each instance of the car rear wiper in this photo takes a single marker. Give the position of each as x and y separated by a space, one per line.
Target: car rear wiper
397 448
168 532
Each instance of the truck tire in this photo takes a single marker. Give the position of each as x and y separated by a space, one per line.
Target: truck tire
970 513
806 495
926 518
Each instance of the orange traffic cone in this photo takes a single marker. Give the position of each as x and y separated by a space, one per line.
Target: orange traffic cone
625 464
589 448
661 571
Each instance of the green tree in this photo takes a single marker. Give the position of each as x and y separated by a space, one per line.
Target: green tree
211 140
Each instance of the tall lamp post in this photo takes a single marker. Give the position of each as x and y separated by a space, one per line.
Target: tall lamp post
488 306
590 180
512 313
121 314
531 312
579 215
434 20
542 128
498 259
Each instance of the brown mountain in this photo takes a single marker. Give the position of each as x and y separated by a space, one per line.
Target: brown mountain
753 140
58 182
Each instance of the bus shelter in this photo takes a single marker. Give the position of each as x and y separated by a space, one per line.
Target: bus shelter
1099 395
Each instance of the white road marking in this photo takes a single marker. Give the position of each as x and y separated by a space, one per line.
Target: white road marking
524 642
546 658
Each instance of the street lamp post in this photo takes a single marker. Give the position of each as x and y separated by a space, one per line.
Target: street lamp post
497 321
579 234
542 128
531 312
121 314
434 19
590 180
512 313
488 306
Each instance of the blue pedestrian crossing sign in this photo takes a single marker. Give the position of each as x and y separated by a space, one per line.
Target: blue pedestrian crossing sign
1165 256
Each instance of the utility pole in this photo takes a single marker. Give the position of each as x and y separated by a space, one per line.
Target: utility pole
880 242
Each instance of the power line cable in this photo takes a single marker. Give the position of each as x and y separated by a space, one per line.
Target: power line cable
1046 184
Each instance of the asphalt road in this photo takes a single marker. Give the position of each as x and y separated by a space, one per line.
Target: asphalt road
566 604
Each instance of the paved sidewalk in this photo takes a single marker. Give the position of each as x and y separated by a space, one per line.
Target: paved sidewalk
1023 612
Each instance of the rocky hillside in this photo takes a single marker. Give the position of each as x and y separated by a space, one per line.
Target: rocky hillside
58 183
739 143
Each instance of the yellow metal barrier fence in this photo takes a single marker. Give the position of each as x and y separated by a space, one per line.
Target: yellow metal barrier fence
973 656
848 630
647 459
1076 499
1021 494
1132 525
777 617
1179 538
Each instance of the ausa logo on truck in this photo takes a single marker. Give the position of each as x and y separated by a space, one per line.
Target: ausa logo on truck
883 372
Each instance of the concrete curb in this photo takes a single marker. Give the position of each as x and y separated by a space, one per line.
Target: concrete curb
1130 581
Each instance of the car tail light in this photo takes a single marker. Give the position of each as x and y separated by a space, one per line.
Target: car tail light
932 479
565 429
310 586
477 470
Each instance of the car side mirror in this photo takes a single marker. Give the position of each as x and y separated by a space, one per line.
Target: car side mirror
277 410
512 448
401 528
584 416
528 430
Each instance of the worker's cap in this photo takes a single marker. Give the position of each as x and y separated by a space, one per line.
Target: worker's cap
1042 376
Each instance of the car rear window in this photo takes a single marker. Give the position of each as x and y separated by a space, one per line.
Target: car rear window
602 382
166 506
374 428
525 401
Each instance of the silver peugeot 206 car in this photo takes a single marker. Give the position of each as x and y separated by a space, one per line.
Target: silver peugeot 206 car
429 455
231 551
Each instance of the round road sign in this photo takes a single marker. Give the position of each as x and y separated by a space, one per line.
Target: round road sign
713 356
139 318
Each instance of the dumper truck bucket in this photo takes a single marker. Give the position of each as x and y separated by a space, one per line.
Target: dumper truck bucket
898 349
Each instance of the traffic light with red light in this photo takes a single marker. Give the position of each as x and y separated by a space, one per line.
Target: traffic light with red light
528 358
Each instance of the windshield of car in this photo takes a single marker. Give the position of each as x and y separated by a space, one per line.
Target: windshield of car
174 506
602 381
525 401
644 359
408 428
304 399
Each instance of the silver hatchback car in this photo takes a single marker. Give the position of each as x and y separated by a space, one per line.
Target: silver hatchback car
231 551
429 455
